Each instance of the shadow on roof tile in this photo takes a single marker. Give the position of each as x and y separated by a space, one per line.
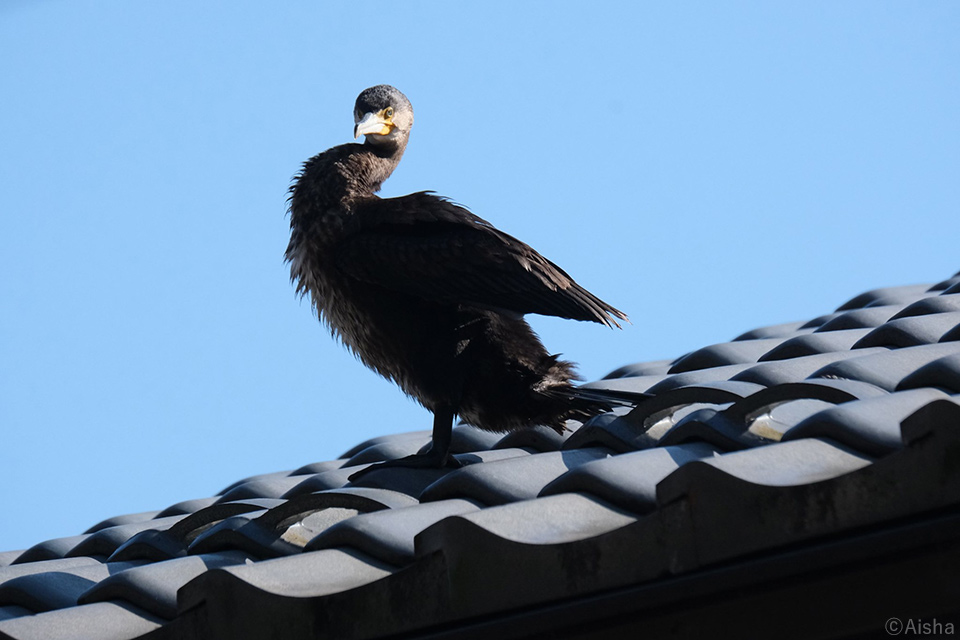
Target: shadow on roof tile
653 368
885 368
57 589
50 549
628 481
396 437
388 451
942 373
617 433
774 331
947 285
814 343
153 587
174 542
725 353
504 481
911 331
944 303
951 336
887 296
777 372
538 438
868 318
700 376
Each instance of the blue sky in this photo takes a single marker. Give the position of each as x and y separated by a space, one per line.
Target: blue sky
706 167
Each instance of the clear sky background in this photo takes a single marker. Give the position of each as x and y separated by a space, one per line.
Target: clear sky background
706 167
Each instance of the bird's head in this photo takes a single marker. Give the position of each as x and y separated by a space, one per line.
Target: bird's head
383 115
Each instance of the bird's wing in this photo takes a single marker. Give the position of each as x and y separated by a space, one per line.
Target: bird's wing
429 247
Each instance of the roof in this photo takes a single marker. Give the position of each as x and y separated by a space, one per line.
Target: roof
811 462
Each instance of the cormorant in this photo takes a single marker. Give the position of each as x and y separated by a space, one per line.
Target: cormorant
429 295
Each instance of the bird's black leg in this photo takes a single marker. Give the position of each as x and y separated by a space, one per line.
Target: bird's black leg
436 457
442 436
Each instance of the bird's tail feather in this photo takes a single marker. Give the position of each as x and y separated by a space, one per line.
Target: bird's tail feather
585 403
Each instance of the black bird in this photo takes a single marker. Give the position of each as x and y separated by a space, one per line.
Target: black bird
429 295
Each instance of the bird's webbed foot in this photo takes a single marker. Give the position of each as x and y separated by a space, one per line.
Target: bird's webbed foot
430 459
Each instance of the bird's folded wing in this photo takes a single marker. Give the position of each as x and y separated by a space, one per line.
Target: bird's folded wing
428 247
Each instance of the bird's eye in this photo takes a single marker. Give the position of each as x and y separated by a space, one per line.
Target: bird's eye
388 112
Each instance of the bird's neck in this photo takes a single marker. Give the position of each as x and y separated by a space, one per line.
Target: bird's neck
339 177
373 164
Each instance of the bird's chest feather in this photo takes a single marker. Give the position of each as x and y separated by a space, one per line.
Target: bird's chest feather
375 325
313 271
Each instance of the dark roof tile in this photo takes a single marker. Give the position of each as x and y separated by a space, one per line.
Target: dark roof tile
7 557
819 321
538 438
951 336
871 426
187 506
942 373
132 518
653 368
50 549
774 331
813 343
319 467
9 612
944 303
887 296
467 438
549 520
42 566
615 432
309 574
867 318
264 487
634 384
714 426
388 451
173 542
510 480
885 369
667 402
780 418
628 481
725 353
57 589
106 541
911 331
242 532
413 481
321 481
947 286
777 372
260 477
153 587
396 437
700 376
102 620
828 390
790 463
388 535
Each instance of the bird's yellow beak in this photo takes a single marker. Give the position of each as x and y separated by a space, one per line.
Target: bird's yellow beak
373 123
